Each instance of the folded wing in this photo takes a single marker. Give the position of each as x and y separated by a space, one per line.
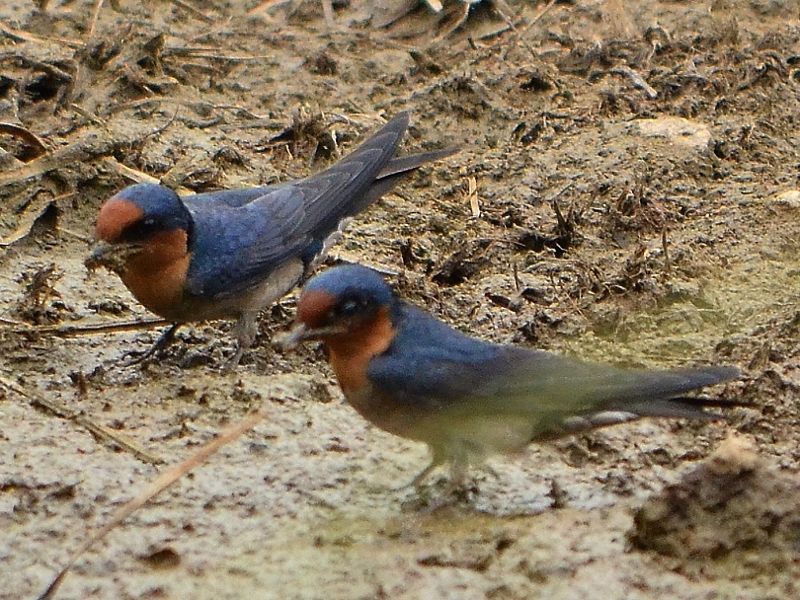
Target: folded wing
254 234
463 377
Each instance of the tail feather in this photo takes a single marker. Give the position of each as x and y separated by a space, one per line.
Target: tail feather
673 408
360 178
397 169
401 165
662 394
627 396
653 385
685 407
332 192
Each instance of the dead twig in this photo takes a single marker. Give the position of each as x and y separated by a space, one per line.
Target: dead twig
45 211
128 172
213 54
98 6
74 234
89 116
68 331
266 5
138 176
515 273
61 411
192 10
517 33
157 486
24 36
472 196
538 17
199 108
83 150
637 80
327 9
26 135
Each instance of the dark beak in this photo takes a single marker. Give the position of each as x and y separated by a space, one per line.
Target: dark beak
302 333
113 257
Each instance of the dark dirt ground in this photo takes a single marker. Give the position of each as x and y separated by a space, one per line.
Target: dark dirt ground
650 125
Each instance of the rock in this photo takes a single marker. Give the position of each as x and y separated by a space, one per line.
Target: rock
733 506
789 199
676 130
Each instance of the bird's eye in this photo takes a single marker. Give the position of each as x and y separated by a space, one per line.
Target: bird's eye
353 307
140 230
348 308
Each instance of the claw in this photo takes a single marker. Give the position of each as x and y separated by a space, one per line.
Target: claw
162 343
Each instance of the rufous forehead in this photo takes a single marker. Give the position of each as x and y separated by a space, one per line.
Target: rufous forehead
115 215
314 306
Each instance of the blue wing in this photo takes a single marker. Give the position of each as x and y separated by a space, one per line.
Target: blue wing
240 237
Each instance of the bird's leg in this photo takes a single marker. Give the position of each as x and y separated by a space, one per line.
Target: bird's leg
458 477
422 498
436 460
419 478
492 471
454 491
162 343
245 331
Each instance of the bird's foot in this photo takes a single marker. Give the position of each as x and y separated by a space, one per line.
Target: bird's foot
416 483
229 366
162 343
432 498
245 331
418 480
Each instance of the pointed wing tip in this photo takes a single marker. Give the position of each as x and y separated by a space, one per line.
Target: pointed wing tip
404 115
401 119
447 151
722 373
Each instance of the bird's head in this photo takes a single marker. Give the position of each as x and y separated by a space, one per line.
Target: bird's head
345 307
143 222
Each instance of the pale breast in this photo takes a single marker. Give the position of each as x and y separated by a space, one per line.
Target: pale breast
383 411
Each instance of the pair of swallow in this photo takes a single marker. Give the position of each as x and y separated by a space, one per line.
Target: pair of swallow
229 254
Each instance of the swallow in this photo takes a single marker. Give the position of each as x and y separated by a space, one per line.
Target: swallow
228 254
416 377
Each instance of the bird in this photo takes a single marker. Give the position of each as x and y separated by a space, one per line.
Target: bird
228 254
416 377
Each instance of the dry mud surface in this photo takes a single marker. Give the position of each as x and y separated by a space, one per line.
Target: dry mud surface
666 134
